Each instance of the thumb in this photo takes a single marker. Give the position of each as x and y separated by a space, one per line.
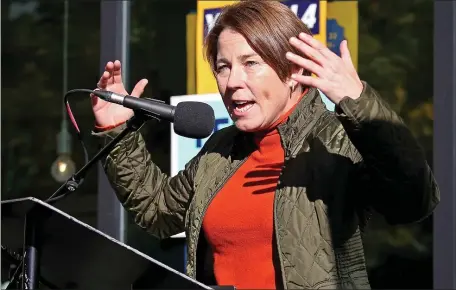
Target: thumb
345 54
139 88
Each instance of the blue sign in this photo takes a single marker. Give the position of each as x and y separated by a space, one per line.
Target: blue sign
210 16
334 35
307 10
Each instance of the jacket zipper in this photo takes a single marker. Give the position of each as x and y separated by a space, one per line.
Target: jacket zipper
222 183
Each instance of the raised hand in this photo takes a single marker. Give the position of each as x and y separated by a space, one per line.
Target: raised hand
109 114
336 76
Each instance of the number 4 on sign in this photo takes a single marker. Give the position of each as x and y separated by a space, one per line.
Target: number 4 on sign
310 15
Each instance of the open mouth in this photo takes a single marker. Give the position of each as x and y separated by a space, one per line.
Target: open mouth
242 106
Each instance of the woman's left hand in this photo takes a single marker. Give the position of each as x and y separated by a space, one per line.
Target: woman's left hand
336 76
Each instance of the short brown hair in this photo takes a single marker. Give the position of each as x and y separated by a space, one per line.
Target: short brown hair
266 25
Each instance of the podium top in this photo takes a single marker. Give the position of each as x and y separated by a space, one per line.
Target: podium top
75 255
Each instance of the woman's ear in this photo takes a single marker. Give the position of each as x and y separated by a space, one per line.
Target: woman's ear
292 83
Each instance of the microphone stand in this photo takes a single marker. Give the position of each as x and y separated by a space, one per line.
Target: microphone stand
34 219
72 184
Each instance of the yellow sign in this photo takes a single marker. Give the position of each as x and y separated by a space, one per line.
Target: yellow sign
206 14
191 53
342 24
311 12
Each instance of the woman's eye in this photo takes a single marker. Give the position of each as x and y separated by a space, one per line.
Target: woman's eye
220 69
251 63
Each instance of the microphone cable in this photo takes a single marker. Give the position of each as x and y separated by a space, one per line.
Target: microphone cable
79 135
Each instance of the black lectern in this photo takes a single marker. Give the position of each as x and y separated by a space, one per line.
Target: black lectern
72 255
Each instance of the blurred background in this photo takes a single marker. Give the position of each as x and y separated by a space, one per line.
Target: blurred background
42 58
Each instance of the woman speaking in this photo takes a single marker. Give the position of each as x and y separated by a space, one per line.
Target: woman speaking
279 199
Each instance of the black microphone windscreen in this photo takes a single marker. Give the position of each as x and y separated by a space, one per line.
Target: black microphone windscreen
194 119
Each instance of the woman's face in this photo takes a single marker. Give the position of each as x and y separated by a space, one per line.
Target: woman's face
252 92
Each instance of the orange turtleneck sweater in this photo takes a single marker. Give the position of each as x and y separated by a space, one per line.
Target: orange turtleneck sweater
238 224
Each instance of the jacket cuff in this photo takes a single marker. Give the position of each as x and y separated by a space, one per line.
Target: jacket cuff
112 133
360 109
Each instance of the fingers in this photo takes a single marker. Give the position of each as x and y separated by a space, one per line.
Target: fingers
317 45
139 88
117 72
104 79
345 54
310 52
313 49
310 40
305 63
309 81
111 75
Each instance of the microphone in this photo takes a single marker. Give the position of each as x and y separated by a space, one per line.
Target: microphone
191 119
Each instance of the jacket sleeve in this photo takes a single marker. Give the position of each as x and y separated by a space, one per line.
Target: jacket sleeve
392 176
157 201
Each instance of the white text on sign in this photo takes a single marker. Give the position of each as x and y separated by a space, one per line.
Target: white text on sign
306 10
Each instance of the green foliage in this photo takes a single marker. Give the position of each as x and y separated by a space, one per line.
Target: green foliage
396 58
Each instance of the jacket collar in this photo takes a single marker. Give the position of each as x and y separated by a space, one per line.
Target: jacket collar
298 125
305 109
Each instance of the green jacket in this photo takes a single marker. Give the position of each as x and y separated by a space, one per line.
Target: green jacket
339 166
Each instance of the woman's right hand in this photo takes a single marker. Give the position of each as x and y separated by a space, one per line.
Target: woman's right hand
109 114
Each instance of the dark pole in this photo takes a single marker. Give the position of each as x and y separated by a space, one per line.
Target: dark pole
114 45
445 143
